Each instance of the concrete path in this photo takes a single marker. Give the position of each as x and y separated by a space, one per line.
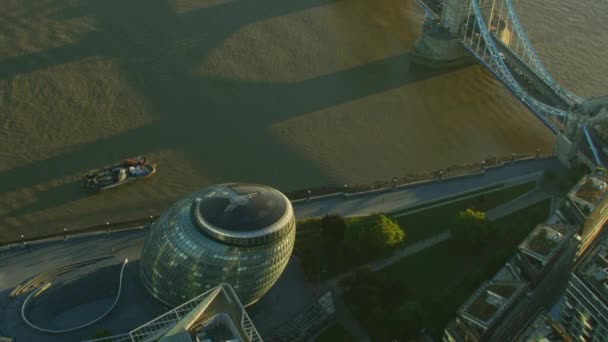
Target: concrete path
412 249
399 254
401 199
519 203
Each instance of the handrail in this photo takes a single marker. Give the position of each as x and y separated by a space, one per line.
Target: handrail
102 316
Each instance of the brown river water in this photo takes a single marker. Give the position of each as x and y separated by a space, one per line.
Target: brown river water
293 94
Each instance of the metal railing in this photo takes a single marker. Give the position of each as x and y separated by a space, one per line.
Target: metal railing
156 328
63 331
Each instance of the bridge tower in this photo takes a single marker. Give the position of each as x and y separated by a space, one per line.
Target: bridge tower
455 13
581 133
439 44
569 142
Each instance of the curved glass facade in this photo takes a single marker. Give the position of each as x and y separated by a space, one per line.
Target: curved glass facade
182 259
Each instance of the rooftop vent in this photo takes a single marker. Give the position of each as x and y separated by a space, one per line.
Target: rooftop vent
494 299
598 184
553 235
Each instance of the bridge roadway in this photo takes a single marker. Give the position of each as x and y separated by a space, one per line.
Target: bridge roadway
533 84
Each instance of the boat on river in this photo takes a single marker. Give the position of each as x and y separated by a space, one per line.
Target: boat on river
128 171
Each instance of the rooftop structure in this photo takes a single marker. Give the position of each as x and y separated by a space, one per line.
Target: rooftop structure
214 316
241 234
489 302
590 190
487 308
544 243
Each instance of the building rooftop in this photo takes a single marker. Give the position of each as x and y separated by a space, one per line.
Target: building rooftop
590 189
485 307
509 272
489 300
545 240
594 268
242 207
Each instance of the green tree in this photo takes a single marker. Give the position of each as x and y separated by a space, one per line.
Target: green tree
332 228
363 290
407 320
471 228
374 236
384 234
311 263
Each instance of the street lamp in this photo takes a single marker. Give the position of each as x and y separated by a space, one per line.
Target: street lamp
345 189
22 240
483 164
108 227
308 192
65 231
394 183
537 153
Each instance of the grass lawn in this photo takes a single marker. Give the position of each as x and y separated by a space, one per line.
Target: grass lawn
335 333
418 226
424 224
441 278
451 198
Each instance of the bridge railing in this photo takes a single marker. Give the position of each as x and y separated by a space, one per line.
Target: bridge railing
489 56
428 11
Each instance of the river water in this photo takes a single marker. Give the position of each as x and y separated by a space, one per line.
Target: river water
292 94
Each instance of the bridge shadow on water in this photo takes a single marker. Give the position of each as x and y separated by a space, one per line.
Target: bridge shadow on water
224 123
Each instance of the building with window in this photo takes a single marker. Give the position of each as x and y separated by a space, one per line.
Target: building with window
504 306
542 328
240 234
587 206
584 311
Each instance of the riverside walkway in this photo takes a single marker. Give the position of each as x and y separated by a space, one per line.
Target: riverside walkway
405 197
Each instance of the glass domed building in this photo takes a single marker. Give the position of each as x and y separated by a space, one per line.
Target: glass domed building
241 234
